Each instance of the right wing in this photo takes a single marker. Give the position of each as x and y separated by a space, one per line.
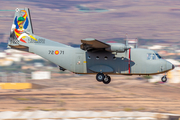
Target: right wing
93 44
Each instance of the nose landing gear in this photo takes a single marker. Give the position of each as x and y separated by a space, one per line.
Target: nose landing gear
164 78
100 77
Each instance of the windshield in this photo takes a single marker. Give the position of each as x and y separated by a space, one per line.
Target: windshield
153 56
158 55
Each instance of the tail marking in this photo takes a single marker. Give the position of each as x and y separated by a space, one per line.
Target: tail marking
20 25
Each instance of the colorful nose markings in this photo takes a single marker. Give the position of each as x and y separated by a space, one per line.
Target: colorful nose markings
56 52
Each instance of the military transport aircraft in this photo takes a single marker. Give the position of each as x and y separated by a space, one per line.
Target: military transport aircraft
93 56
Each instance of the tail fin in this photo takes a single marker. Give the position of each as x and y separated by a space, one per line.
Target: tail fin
21 28
21 35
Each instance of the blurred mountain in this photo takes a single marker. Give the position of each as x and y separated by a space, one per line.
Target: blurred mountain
69 21
60 4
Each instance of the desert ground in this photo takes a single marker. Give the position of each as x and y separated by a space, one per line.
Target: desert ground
84 93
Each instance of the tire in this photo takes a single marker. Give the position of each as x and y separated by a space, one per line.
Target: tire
164 79
100 77
107 80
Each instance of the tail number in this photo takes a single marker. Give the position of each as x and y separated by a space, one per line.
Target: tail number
30 40
56 52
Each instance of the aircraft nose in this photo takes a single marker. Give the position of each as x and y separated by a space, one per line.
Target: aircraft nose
169 65
173 67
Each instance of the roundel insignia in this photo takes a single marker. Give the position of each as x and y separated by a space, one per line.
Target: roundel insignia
56 52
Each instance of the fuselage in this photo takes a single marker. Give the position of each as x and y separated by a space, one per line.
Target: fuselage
131 62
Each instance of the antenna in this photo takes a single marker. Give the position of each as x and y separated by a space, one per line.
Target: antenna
136 42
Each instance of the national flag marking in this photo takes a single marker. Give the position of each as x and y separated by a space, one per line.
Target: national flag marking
56 52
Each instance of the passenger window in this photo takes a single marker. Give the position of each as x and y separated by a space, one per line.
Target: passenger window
105 57
89 57
97 58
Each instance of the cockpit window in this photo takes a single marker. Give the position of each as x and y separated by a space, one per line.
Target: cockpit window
152 56
148 56
158 55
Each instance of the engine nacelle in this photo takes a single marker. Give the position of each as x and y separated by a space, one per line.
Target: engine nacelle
117 47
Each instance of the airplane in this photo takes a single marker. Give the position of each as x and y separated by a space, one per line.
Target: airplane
93 56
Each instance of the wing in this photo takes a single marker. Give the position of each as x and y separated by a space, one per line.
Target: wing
93 44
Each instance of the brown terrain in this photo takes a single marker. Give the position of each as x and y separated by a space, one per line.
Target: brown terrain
79 93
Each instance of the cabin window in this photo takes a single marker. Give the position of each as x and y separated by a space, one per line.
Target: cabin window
114 58
97 58
105 57
89 57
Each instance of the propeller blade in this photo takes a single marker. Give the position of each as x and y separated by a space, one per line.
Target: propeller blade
126 40
127 46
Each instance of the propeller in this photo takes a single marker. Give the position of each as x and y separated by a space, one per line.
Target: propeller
126 40
126 44
128 57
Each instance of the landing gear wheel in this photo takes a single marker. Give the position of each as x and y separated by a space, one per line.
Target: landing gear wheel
100 77
164 79
107 79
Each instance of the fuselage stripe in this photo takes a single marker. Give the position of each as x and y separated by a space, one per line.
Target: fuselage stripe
129 61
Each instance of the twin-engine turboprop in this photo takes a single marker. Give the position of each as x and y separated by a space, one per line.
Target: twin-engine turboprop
93 56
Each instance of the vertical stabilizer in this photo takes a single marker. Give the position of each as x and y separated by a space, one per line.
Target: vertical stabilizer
21 35
21 28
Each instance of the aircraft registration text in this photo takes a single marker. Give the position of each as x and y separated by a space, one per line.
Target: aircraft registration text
56 52
42 41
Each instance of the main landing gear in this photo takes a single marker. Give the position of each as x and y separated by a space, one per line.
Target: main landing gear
100 77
